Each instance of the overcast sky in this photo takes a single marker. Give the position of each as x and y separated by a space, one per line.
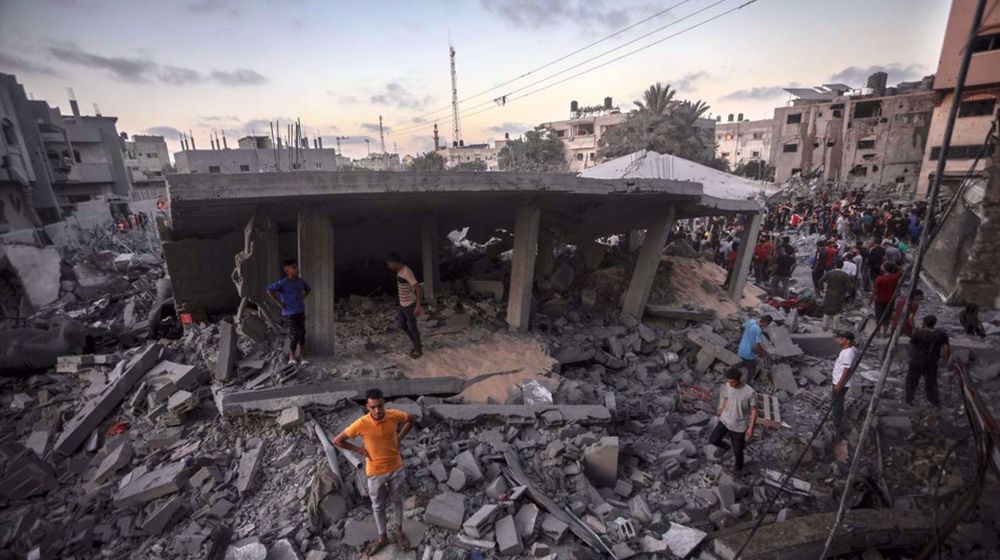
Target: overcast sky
163 66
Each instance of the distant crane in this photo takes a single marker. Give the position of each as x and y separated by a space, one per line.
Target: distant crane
338 139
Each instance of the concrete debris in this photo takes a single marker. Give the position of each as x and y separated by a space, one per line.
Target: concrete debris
446 510
37 268
683 541
138 488
600 462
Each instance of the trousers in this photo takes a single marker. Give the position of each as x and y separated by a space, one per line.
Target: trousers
383 487
408 323
738 439
929 373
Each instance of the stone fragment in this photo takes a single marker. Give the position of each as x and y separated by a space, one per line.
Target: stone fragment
508 539
467 462
283 549
246 473
456 481
476 524
682 541
554 528
228 352
782 378
334 508
446 510
151 485
249 548
117 459
497 488
438 470
291 418
182 402
526 519
163 516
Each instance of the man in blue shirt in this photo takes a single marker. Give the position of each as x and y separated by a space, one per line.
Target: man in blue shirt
290 293
752 343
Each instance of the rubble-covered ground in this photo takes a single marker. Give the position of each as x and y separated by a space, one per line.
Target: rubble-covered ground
583 438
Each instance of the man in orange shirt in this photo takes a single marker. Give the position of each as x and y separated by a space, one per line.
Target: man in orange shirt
380 434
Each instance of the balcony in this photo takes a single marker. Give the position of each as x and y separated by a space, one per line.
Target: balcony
96 172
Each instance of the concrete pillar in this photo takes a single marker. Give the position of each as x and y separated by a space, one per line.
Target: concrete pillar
522 266
645 266
545 265
316 266
633 240
748 239
430 249
269 245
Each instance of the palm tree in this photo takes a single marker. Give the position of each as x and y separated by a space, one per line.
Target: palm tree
656 100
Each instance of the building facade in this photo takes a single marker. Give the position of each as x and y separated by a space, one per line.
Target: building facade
72 158
869 136
257 155
742 141
146 158
487 154
979 105
581 133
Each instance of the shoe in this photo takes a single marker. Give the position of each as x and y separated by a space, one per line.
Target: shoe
377 545
303 362
292 363
399 537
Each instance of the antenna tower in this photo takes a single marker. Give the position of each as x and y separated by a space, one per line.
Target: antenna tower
381 133
456 130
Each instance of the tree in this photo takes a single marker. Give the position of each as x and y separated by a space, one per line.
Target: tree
470 166
664 125
755 169
429 161
540 150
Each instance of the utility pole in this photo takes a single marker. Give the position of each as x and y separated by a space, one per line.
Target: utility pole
437 144
456 130
338 139
368 144
381 133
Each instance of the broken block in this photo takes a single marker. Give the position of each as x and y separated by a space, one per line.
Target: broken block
163 516
120 457
228 352
682 541
456 481
291 417
508 539
182 402
247 471
526 519
554 528
446 510
497 488
151 485
467 462
475 526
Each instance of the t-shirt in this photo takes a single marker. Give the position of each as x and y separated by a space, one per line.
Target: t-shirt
875 257
291 293
783 265
736 415
885 287
925 347
850 268
380 439
406 283
893 255
752 335
843 363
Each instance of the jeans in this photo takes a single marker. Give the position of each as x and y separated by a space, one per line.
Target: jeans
831 322
929 373
408 323
779 285
738 439
837 412
384 487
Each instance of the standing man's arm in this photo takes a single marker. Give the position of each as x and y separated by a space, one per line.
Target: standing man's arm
753 420
272 293
407 426
341 442
306 290
945 353
722 406
419 293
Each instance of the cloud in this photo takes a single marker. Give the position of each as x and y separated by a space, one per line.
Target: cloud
17 64
218 118
686 81
898 72
586 14
759 93
373 127
165 131
143 69
396 95
512 127
238 77
227 7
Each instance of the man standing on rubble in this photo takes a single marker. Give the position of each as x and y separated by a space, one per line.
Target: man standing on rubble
752 344
841 382
737 416
380 434
928 348
836 283
410 295
290 293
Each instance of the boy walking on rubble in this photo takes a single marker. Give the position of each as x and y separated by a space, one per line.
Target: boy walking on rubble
410 295
380 434
290 293
737 416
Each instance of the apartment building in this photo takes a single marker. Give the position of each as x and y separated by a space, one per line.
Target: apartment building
979 106
581 133
487 154
856 137
257 154
147 158
742 141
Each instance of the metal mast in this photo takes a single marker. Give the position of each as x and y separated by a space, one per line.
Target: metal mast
381 134
456 132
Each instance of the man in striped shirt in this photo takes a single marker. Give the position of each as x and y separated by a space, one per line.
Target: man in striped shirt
410 295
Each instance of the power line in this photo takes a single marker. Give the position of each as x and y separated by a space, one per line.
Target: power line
547 64
493 105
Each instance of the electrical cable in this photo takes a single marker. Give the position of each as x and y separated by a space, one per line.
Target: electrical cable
917 265
493 105
547 64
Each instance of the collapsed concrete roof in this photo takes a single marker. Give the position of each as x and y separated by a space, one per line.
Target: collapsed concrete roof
203 204
720 190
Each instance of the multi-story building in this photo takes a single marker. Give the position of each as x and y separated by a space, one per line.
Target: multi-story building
488 154
73 158
378 162
581 133
742 141
873 135
978 109
256 154
146 158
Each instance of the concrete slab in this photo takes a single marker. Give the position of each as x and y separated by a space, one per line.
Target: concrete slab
519 414
781 342
679 313
228 352
446 510
816 344
151 485
682 540
38 269
782 378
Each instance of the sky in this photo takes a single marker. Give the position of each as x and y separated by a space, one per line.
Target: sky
234 65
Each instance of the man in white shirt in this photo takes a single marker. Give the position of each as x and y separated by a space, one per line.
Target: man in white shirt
851 268
841 381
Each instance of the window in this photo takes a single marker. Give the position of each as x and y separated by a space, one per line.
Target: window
319 164
866 144
592 158
831 143
838 114
793 118
725 154
796 171
977 107
729 136
790 147
754 154
815 143
244 169
758 135
579 156
152 155
867 109
859 171
836 106
296 166
560 133
213 168
585 130
963 152
985 43
901 179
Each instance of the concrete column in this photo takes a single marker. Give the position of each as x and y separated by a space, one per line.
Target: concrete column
269 245
633 240
430 250
748 238
522 266
546 263
645 266
316 265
